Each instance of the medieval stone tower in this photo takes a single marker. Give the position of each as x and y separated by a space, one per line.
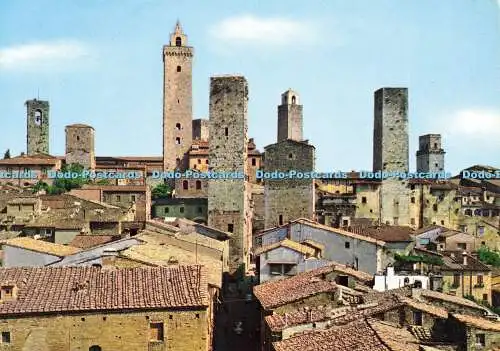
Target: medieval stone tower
37 121
80 145
391 153
430 155
229 199
289 199
177 99
289 117
201 129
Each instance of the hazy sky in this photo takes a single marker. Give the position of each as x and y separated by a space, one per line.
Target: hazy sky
99 62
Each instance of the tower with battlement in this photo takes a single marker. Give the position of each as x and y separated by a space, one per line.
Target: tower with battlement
177 100
37 122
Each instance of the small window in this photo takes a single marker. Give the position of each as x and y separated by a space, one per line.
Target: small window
132 197
178 41
5 337
178 126
177 141
456 279
417 317
479 280
435 207
95 348
412 187
275 269
230 227
166 210
347 245
7 292
178 68
280 219
118 198
198 184
156 331
412 221
181 210
480 340
485 297
462 246
290 156
413 200
226 131
185 185
77 138
442 222
254 161
199 161
363 200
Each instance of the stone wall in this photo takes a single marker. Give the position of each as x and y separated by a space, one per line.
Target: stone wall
201 129
292 198
80 147
430 156
290 117
37 121
229 199
182 331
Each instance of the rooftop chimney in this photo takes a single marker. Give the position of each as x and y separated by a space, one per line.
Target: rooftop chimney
464 255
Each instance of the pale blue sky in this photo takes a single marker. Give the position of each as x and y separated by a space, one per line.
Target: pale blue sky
99 62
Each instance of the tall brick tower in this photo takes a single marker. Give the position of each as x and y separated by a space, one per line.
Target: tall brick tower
229 199
80 145
391 153
177 99
290 117
430 155
37 121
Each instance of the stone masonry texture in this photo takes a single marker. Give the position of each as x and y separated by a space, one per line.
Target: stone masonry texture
288 199
229 199
80 145
391 152
200 129
430 155
37 127
177 100
290 117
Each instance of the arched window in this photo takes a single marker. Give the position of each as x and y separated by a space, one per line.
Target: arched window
95 348
185 185
417 284
178 68
178 41
178 126
38 117
407 281
198 184
177 141
293 100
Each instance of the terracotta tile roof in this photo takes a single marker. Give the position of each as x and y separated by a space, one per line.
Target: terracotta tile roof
289 244
397 339
117 188
453 260
41 246
83 289
273 294
425 307
314 244
435 295
33 160
478 322
88 241
387 233
357 336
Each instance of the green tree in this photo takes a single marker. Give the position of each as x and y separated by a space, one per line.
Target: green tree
489 256
161 190
6 155
62 185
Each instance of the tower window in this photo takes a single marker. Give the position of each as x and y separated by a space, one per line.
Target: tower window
178 126
77 138
254 162
198 184
363 199
280 219
185 185
178 41
177 141
226 131
290 156
178 68
293 100
413 200
199 161
435 145
230 227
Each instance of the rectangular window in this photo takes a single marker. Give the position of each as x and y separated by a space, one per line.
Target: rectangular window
462 246
396 220
181 210
5 337
275 269
347 245
254 161
412 200
132 197
156 331
456 279
7 292
417 318
412 221
363 200
480 340
118 198
166 210
230 227
479 280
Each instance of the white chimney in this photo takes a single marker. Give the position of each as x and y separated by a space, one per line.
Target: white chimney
464 255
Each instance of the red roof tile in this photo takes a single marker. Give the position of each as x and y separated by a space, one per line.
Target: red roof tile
83 289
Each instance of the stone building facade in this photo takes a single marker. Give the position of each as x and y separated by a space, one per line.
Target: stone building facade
430 155
229 199
391 152
293 198
290 117
37 122
177 100
80 147
200 129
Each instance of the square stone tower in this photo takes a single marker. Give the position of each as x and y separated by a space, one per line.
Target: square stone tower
201 129
290 117
391 153
430 155
177 100
229 199
37 122
80 145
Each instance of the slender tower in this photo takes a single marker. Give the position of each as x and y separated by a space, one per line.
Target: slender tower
37 121
177 100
